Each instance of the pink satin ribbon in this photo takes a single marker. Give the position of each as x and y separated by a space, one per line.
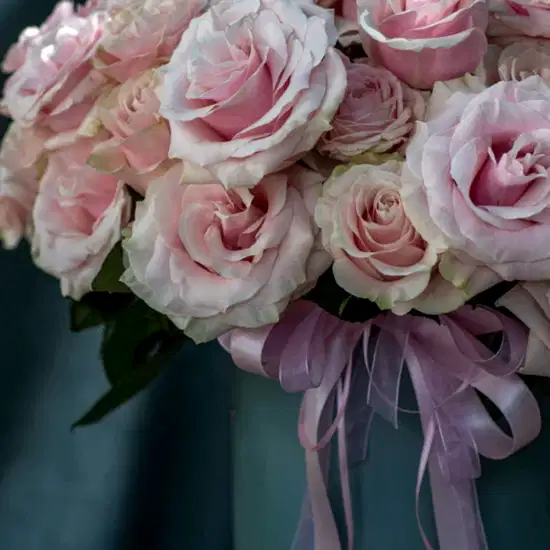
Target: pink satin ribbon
311 351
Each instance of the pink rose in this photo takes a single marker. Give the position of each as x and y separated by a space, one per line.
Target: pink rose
378 254
377 114
55 80
21 166
137 139
524 59
425 41
510 20
17 53
212 259
77 218
477 179
142 33
251 88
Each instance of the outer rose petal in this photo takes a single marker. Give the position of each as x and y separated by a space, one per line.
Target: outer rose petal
15 57
260 255
530 303
21 166
511 21
445 295
421 45
16 201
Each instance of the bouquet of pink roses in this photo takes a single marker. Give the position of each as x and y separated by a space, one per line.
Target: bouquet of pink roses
333 190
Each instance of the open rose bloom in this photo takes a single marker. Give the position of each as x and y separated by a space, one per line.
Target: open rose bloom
234 169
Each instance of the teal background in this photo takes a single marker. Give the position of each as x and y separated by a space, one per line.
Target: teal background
155 475
207 458
269 477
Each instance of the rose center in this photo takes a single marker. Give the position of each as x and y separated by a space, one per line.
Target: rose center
385 207
506 174
239 222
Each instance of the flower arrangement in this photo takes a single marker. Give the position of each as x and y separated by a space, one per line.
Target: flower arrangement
338 192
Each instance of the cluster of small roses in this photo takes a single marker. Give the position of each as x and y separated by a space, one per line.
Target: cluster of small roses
259 155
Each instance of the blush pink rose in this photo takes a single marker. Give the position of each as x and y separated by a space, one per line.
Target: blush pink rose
212 259
524 59
511 20
135 139
77 220
477 179
143 33
55 81
425 41
17 53
21 166
251 88
377 114
378 254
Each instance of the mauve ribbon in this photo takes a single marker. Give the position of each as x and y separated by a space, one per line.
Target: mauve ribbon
311 351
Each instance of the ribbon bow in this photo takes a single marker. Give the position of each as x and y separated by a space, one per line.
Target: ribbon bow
449 365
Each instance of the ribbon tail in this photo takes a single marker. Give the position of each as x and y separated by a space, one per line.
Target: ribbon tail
317 529
304 538
456 510
455 503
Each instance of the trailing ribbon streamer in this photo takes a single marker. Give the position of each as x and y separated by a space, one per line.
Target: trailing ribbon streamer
311 351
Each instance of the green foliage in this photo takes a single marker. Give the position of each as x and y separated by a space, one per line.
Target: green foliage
108 279
137 343
96 308
128 377
133 338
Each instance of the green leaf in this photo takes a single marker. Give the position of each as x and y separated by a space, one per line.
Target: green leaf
133 336
133 382
108 279
96 308
343 306
137 343
83 317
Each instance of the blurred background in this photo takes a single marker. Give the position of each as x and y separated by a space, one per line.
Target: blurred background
207 458
154 475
